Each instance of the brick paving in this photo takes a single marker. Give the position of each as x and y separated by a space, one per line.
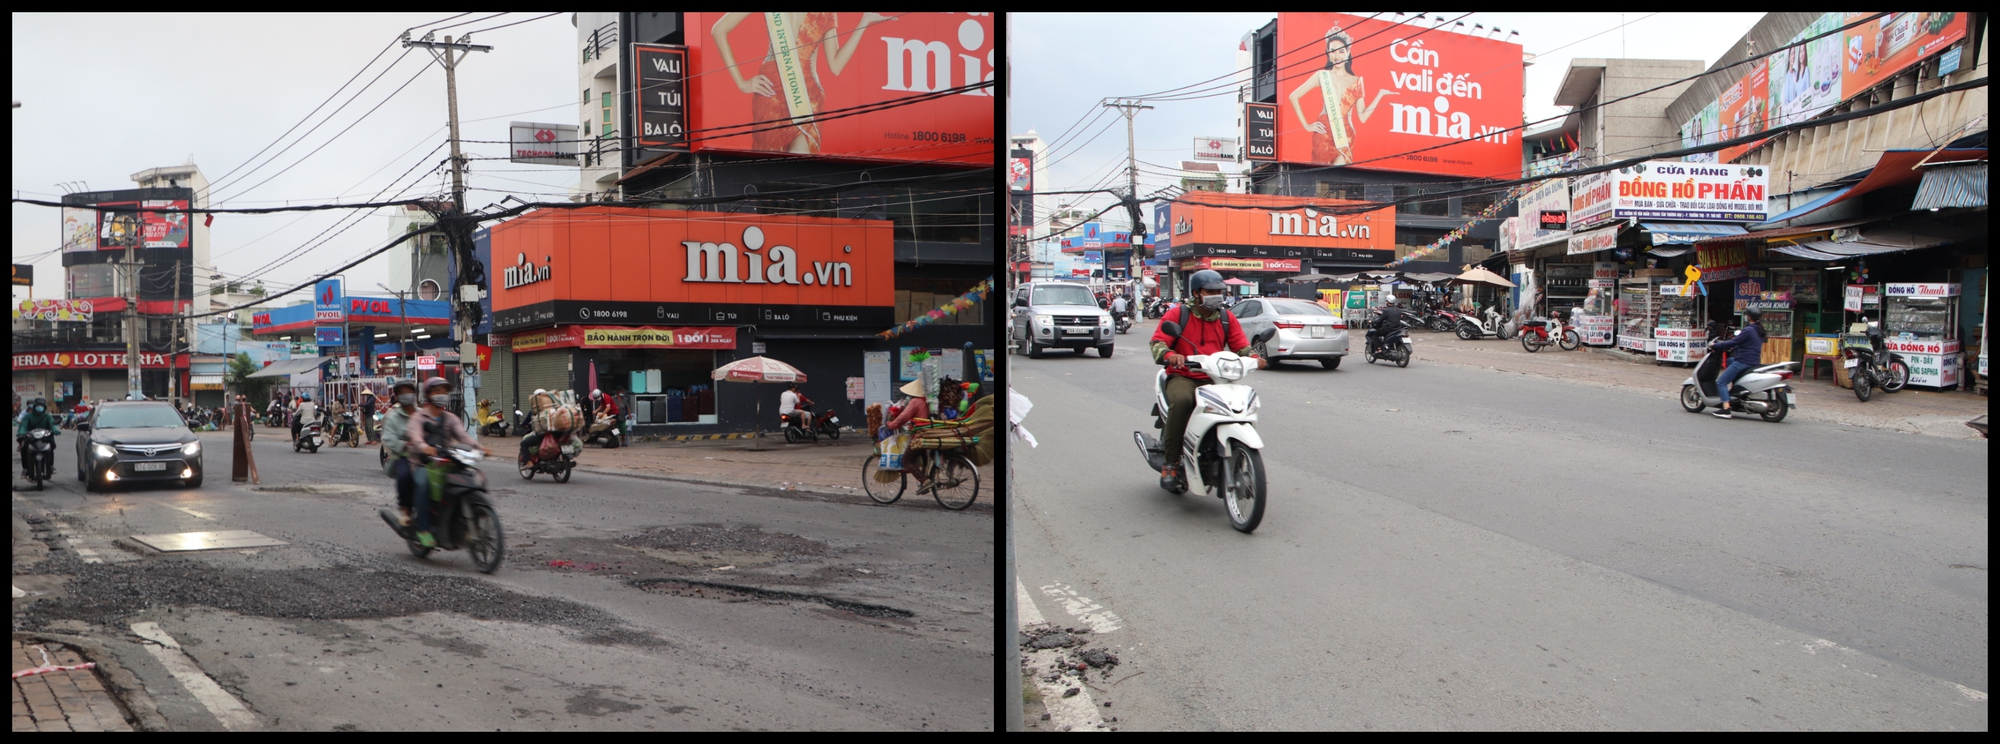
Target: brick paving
72 700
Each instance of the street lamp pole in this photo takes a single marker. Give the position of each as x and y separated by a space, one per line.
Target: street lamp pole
404 306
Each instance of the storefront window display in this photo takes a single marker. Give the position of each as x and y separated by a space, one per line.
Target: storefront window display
1921 322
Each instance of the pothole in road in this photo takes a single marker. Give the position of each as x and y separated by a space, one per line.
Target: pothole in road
105 595
753 543
696 589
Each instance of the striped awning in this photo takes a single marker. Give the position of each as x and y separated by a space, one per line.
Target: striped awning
1952 186
1871 242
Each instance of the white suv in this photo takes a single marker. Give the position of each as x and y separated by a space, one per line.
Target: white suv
1059 315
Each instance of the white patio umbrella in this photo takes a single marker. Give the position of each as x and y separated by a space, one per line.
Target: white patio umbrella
758 369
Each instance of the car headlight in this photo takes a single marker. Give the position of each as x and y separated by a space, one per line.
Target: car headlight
1104 320
192 448
104 450
1045 321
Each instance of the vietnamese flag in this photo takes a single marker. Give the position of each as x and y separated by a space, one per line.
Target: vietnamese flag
485 356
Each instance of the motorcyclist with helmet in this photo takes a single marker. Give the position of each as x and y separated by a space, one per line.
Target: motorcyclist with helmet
1745 353
1206 328
396 443
1386 323
431 429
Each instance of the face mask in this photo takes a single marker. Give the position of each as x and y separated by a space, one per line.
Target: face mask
407 399
39 409
1212 302
440 400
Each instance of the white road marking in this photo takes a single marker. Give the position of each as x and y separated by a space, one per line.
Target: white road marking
1078 712
224 706
1029 615
1086 610
1970 694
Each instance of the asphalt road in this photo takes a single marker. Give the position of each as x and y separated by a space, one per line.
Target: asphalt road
624 603
1447 547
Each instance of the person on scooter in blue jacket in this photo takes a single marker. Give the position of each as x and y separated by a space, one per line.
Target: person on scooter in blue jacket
1745 353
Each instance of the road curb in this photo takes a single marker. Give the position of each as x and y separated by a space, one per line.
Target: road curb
120 681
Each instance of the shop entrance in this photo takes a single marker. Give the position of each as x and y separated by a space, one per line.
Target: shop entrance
658 386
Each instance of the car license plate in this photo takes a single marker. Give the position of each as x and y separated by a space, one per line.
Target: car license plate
1409 341
1319 332
1851 363
149 466
1076 331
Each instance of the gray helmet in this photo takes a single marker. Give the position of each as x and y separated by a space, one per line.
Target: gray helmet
1205 279
397 388
435 382
1754 313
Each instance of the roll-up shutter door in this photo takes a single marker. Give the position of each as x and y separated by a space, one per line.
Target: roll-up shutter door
497 382
541 369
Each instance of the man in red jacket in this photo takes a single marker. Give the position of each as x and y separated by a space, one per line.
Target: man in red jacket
1206 328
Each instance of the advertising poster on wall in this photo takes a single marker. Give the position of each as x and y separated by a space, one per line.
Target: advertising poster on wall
79 230
816 74
1549 196
1372 93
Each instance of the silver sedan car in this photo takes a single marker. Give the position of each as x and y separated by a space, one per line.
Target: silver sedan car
1305 330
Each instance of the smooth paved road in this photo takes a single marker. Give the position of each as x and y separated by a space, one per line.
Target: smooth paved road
1448 547
624 603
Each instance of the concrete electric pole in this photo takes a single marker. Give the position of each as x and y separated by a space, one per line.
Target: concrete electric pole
454 221
1131 109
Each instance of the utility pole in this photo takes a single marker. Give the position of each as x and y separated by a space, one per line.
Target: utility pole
132 323
454 218
173 340
1131 109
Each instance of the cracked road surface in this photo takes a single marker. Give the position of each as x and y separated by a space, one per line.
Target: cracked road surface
623 604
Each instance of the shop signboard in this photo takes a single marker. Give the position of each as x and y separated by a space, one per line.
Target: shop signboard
329 305
1595 329
703 267
1689 192
1590 200
1215 148
1260 132
906 86
1932 363
545 144
427 362
1678 345
1593 241
59 360
1724 262
1544 214
330 335
1250 264
1372 93
65 310
1276 222
24 275
1921 290
1021 173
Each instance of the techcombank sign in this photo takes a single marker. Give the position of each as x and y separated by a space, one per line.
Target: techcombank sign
621 266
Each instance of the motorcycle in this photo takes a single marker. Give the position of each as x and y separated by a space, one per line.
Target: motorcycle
1122 322
38 456
346 432
821 425
310 438
1875 367
555 459
464 519
1490 323
491 424
1224 456
1155 307
1394 345
1540 332
605 432
1442 320
1764 390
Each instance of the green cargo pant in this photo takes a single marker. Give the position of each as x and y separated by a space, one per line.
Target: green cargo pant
1180 406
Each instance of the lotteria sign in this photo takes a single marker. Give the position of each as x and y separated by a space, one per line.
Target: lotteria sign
91 360
694 257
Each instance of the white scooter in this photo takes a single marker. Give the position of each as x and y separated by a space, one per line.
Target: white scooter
1223 449
1765 391
1491 323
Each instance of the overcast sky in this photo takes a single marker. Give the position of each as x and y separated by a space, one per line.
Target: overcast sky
102 97
1064 65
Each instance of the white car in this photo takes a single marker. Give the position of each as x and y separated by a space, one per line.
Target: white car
1305 330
